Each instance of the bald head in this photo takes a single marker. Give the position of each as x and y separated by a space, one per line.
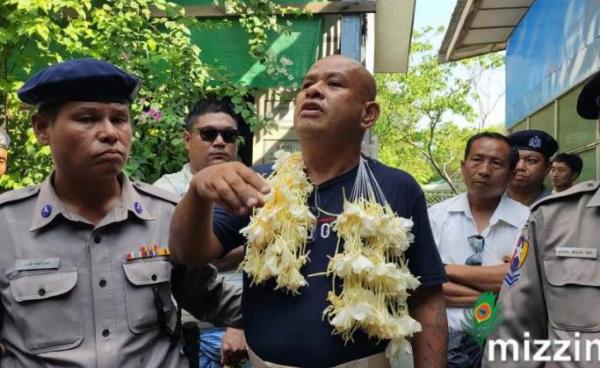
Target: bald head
335 104
341 63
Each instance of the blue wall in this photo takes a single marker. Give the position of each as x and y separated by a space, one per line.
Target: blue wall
554 47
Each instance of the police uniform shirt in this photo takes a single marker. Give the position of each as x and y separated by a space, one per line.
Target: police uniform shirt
179 183
290 330
452 224
552 290
69 294
543 194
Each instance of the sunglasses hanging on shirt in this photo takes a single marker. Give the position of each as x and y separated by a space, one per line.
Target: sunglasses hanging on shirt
477 242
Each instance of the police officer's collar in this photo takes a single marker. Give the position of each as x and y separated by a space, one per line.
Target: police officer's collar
49 206
131 200
595 201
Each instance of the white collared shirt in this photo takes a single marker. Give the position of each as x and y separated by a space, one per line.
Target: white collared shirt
178 182
452 223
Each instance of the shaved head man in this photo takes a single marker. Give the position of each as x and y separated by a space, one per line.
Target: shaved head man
334 107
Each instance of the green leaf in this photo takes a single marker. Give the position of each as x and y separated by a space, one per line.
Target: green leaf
151 44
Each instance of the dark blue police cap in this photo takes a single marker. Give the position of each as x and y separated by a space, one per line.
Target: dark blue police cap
588 102
79 80
534 140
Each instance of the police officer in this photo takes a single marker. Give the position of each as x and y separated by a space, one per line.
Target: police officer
535 149
551 294
85 274
4 143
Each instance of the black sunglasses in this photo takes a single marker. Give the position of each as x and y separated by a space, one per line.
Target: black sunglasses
209 134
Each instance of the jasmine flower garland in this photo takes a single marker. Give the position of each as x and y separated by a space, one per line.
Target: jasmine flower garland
375 276
278 232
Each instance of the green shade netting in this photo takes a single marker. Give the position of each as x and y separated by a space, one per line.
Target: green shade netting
224 45
211 2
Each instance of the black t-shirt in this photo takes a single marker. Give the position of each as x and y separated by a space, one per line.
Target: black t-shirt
290 330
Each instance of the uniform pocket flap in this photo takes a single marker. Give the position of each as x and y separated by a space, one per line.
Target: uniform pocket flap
148 272
572 271
42 285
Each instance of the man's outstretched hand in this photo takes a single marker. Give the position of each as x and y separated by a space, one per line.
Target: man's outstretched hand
232 185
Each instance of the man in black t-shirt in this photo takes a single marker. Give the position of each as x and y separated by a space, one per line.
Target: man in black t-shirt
333 109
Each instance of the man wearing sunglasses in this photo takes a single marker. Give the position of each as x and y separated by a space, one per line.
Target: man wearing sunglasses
210 137
475 232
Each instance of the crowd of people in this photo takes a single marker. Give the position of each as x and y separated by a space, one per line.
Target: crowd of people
97 270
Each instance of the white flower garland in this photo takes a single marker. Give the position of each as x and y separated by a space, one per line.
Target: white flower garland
278 232
375 276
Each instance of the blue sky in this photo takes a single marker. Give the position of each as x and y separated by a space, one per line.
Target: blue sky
438 13
433 13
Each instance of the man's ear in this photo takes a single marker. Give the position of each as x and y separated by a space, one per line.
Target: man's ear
41 126
548 167
187 136
370 114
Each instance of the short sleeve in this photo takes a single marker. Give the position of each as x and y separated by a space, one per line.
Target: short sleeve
423 256
227 228
203 292
434 218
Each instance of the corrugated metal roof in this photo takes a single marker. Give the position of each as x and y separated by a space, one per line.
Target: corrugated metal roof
479 27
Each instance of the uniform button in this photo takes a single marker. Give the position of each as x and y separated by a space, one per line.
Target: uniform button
154 277
105 333
97 239
41 292
46 211
102 283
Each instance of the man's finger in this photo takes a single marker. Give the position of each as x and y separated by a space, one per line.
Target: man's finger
227 195
254 180
247 193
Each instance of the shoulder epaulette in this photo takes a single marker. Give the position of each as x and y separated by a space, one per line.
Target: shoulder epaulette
156 192
18 194
581 188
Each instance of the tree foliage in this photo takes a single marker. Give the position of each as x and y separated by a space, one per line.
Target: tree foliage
418 129
37 33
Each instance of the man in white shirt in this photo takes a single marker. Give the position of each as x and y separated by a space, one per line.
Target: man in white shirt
210 138
476 233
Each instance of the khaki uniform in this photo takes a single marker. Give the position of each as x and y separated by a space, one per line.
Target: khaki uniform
69 296
543 194
552 291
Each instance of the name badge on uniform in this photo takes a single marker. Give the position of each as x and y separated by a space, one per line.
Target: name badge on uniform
36 264
570 252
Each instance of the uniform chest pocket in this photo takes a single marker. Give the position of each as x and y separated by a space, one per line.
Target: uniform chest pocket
47 309
573 293
148 280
